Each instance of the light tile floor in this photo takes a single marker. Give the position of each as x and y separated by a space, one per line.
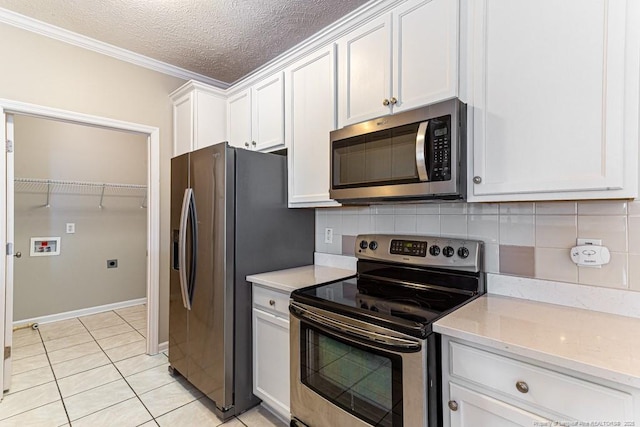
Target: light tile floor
93 371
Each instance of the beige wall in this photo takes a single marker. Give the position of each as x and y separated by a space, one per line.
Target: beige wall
78 277
46 72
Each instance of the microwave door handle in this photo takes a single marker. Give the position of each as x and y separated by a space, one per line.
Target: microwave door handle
421 161
182 244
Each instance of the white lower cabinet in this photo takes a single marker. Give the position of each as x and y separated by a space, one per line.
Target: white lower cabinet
271 349
487 388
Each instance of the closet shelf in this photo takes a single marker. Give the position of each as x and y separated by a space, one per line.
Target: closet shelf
101 189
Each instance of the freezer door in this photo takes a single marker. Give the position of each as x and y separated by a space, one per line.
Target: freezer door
211 316
178 318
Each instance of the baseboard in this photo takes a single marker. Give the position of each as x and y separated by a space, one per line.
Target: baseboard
82 312
163 347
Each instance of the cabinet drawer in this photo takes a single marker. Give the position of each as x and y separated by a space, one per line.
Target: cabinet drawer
271 300
562 394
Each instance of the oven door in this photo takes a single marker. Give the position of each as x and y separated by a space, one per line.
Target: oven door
345 372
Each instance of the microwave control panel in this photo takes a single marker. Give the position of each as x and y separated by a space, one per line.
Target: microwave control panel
440 144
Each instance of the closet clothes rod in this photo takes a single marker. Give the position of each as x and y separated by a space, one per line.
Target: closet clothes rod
79 187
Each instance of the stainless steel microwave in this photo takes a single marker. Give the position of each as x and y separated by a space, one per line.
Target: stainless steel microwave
414 155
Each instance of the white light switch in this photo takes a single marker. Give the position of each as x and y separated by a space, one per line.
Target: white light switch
71 228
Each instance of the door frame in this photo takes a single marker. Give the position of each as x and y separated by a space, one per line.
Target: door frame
153 199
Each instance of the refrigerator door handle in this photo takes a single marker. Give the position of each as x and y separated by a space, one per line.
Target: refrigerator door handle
193 218
182 246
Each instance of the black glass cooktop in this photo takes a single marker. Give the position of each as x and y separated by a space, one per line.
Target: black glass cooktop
402 306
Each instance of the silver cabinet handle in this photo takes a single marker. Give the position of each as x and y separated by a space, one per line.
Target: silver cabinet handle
421 161
453 405
522 387
253 143
272 302
385 102
477 180
18 255
246 144
393 101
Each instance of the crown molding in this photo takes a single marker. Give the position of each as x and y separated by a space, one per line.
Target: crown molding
33 25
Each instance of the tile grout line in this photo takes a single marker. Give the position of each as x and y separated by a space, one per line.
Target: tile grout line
64 406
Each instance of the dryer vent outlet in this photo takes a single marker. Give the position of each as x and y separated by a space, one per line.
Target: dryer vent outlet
112 263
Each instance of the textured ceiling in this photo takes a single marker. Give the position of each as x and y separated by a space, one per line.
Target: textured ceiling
221 39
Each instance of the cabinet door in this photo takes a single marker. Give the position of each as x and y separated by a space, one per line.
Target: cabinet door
310 108
425 52
210 121
183 125
268 113
239 119
477 410
271 361
549 99
365 72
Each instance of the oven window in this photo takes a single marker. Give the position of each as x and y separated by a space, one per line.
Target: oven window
379 158
367 383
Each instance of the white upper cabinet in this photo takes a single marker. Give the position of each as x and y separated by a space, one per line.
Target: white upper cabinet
383 70
239 119
199 115
310 106
553 99
268 113
256 115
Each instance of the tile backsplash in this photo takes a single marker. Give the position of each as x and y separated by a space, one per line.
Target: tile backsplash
523 239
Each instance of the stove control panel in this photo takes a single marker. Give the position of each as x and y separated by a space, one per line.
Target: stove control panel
428 251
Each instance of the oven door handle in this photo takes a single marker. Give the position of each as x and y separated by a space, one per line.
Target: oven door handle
376 338
421 161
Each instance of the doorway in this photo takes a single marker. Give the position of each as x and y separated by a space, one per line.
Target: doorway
12 108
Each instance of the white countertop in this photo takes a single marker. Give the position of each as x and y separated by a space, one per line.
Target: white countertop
604 345
300 277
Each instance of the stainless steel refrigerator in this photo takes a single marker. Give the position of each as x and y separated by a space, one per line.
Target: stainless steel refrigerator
229 218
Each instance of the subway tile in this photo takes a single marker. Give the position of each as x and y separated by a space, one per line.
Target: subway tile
492 258
634 272
483 208
335 222
365 224
383 224
517 230
517 260
611 229
634 234
349 225
321 219
634 208
321 246
556 231
349 210
348 245
612 275
382 209
454 208
405 209
555 264
405 224
428 224
428 209
602 207
517 208
556 208
453 226
483 227
335 247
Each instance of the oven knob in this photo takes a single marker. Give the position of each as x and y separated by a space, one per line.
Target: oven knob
448 251
374 308
463 252
434 250
373 245
363 244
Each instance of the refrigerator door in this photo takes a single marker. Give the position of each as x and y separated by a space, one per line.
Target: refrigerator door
178 318
211 317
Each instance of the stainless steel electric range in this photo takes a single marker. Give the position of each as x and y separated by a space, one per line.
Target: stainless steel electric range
363 352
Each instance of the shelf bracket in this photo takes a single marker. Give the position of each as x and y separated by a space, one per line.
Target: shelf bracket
47 205
143 205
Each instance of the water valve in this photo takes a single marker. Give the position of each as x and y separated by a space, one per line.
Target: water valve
590 255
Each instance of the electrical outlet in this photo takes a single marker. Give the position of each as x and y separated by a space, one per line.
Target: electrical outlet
71 228
328 235
595 242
